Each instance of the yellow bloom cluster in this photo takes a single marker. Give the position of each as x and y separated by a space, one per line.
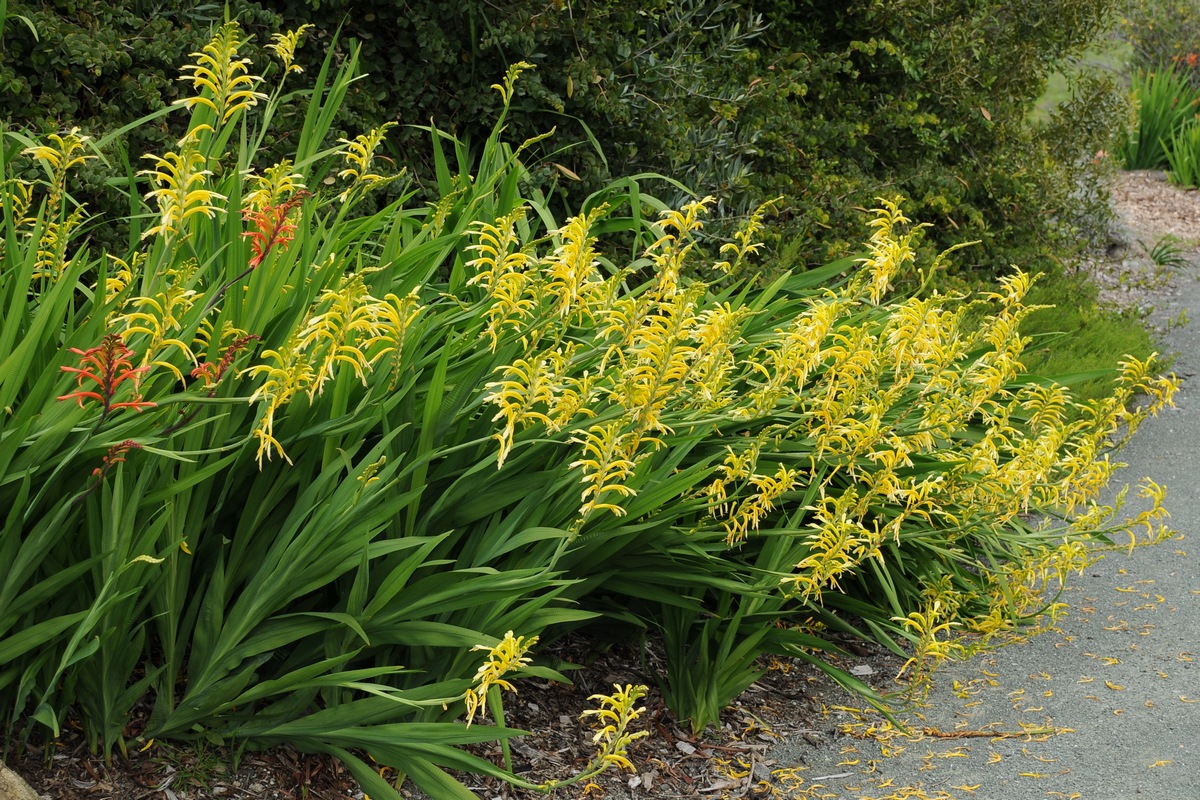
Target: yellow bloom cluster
345 326
613 718
182 190
507 656
223 78
909 419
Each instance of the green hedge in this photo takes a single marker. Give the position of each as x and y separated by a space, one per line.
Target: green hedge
743 99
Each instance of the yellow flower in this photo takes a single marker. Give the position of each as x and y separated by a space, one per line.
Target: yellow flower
571 271
505 657
290 373
607 465
180 179
359 155
283 45
510 80
612 720
223 79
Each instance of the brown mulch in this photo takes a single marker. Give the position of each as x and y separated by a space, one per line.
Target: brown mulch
1153 207
672 762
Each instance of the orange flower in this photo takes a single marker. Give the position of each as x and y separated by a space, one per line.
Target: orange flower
107 366
213 373
272 227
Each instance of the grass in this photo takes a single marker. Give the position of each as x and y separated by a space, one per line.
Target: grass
1076 336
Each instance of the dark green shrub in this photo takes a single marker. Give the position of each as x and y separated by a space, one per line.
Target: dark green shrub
931 102
827 106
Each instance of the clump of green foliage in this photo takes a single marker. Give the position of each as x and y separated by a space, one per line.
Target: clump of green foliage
1183 154
293 467
1166 100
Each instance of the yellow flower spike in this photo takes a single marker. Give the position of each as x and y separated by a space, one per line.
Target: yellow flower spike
51 257
607 465
571 275
157 317
658 363
180 193
121 276
525 385
62 156
889 251
59 158
368 475
612 720
744 244
222 78
359 154
668 254
274 186
507 656
499 249
839 544
339 334
395 317
290 373
784 365
717 333
768 490
510 80
504 271
283 45
20 195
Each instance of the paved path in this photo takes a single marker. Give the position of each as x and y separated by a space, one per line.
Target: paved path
1123 676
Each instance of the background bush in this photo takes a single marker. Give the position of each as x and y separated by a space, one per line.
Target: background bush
827 106
1161 32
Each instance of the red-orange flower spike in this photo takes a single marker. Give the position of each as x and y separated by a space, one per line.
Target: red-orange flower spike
213 373
272 227
107 366
114 456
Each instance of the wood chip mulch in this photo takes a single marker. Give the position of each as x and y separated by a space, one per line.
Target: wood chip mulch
784 703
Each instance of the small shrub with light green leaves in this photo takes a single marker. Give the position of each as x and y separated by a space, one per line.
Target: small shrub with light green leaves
292 468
